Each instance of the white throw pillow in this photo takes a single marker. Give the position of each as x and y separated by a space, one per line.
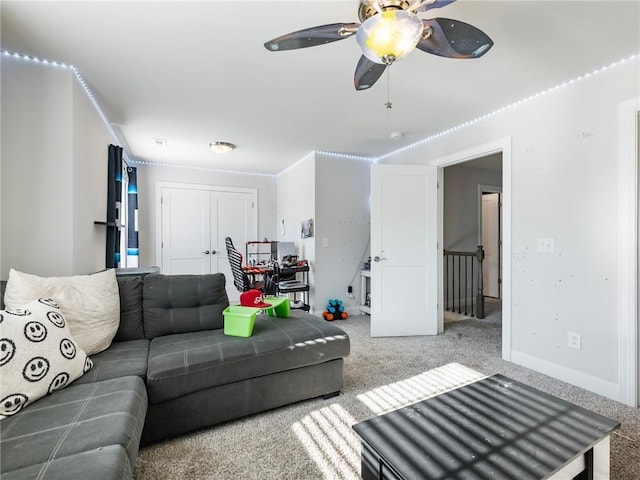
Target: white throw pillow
38 355
90 303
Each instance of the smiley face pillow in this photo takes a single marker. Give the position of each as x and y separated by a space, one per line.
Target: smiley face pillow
38 355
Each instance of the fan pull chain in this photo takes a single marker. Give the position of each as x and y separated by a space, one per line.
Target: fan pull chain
388 105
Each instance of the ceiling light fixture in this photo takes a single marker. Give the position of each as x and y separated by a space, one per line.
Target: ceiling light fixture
389 36
221 147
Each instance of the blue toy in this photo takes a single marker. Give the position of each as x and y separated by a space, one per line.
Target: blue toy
334 310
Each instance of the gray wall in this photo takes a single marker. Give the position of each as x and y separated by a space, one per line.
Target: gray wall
461 203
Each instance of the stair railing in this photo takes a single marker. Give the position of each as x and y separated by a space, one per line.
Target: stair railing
463 291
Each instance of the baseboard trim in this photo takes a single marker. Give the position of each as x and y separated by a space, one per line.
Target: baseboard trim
353 311
574 377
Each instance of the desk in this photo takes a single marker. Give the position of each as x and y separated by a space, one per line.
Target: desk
495 428
256 270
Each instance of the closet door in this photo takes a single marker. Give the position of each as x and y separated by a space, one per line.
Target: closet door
194 220
186 231
233 214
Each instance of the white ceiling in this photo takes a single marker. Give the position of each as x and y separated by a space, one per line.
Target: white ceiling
196 72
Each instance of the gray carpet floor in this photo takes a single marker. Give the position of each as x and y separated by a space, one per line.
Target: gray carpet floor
314 439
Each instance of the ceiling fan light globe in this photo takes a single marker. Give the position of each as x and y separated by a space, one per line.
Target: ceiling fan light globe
390 34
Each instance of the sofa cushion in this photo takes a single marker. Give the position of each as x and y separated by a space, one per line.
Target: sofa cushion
182 364
121 359
131 325
102 463
183 303
3 287
38 355
76 419
90 303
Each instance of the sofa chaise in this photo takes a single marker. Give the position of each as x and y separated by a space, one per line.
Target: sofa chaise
170 370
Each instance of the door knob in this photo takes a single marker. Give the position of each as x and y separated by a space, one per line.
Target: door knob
213 252
206 252
377 258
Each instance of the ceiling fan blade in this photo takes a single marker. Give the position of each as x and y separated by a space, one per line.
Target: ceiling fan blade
310 37
367 73
436 4
454 39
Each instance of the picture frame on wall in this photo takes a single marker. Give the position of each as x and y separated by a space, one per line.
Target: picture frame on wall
306 230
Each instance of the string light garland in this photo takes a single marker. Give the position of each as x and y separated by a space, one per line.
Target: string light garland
507 107
372 159
84 86
204 169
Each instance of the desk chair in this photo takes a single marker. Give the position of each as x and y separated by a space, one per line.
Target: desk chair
240 279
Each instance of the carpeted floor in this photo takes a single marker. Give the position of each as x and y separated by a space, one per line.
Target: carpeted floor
314 439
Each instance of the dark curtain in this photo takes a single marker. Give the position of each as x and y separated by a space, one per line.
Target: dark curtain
114 196
133 250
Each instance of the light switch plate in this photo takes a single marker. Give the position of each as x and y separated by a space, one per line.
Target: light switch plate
546 245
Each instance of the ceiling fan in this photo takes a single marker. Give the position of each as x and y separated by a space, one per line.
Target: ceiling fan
389 30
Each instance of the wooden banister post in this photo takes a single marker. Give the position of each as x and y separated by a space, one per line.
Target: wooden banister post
480 294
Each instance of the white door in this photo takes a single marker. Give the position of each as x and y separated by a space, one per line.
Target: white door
196 219
491 244
232 215
186 231
404 250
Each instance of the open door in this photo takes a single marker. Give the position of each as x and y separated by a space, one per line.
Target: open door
491 242
404 289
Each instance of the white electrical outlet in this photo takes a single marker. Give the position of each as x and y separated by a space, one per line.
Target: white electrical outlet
575 340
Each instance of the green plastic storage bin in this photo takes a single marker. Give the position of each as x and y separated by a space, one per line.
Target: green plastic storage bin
280 306
239 321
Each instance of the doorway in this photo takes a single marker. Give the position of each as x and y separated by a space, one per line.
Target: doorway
472 219
629 252
488 164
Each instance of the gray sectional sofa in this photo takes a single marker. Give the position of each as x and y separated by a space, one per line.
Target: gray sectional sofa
169 370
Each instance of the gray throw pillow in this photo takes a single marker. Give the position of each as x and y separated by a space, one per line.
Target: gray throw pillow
131 324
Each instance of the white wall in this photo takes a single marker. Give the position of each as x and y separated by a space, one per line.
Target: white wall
90 140
564 186
335 192
52 144
149 175
343 224
297 202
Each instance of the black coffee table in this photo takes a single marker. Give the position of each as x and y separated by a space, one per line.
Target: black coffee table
495 428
